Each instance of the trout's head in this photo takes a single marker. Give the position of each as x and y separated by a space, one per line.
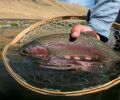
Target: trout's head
37 52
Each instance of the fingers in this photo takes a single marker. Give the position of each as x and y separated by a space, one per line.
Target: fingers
75 32
67 57
98 37
87 58
94 34
77 29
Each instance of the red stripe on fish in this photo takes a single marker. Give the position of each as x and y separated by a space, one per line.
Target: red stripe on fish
38 52
86 50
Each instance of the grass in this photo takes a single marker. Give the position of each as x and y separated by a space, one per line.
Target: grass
2 23
14 24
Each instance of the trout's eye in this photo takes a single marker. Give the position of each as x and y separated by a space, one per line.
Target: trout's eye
23 52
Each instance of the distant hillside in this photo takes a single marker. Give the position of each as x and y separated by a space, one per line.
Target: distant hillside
37 9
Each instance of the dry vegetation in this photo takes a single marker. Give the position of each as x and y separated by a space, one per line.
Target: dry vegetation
37 9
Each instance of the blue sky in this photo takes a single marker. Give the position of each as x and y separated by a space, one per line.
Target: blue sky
87 3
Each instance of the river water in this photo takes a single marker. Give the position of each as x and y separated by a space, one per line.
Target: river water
9 88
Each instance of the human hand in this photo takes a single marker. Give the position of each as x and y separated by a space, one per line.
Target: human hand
78 29
75 33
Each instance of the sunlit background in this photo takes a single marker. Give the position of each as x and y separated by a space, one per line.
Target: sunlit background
87 3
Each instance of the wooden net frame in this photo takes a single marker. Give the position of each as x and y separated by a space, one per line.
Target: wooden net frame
45 91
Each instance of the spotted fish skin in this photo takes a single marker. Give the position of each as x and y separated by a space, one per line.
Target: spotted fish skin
57 46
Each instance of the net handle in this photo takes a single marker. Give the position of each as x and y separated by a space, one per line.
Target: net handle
116 26
23 33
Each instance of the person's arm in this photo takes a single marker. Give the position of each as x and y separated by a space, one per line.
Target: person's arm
102 15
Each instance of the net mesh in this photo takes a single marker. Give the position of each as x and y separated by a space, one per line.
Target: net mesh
54 27
53 80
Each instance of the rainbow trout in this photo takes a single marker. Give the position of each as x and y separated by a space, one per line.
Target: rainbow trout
56 52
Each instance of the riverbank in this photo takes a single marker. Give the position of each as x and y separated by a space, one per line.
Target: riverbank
10 28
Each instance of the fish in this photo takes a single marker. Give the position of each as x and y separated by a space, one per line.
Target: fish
56 51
